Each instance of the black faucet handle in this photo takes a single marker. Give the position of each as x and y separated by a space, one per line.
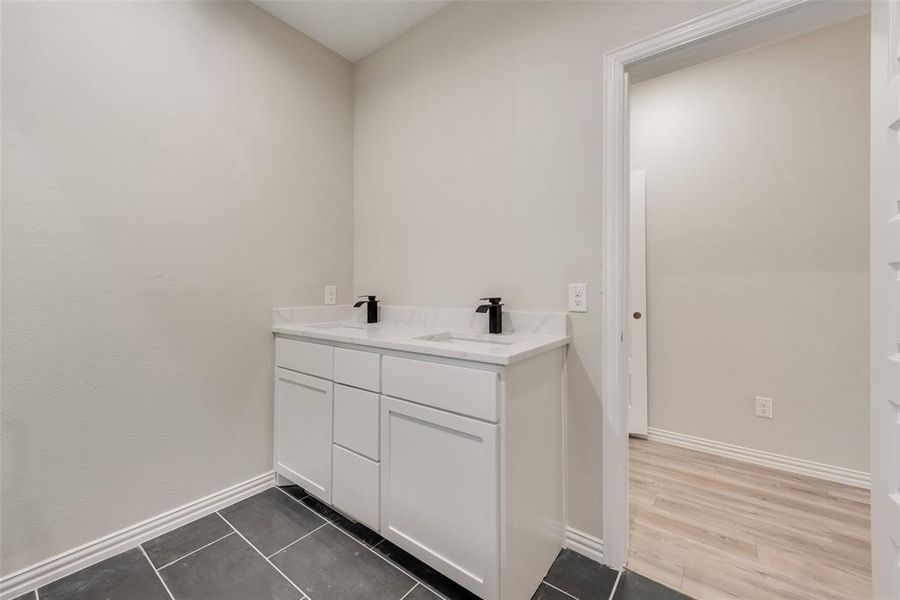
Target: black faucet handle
365 300
495 312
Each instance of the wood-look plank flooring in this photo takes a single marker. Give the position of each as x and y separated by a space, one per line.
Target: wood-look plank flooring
718 529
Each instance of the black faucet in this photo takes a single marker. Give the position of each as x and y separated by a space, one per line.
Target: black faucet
371 308
495 314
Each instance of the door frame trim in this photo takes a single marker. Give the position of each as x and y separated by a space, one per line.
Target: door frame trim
616 169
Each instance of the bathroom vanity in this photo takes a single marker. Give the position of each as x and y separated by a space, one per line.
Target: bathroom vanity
447 441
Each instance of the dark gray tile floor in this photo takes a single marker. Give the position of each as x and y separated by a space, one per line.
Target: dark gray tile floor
357 530
637 587
283 544
126 575
176 544
271 520
441 584
547 592
331 564
581 577
575 576
230 569
420 592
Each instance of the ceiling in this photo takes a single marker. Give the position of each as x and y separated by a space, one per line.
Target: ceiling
352 28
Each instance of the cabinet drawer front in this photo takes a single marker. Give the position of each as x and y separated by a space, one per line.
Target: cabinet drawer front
303 416
356 417
315 359
457 389
356 368
440 490
356 487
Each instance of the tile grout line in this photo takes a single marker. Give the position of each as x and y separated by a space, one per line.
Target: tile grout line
170 563
161 580
280 572
294 498
300 502
410 591
558 589
369 548
304 595
612 592
304 536
398 567
327 520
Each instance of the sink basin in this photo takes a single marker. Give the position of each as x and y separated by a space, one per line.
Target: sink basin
469 340
338 324
358 329
339 327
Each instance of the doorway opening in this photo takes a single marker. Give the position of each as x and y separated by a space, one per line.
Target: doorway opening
742 338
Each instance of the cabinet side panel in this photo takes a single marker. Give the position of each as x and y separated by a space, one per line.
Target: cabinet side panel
532 517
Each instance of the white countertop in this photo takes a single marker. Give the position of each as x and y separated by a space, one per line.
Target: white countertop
433 339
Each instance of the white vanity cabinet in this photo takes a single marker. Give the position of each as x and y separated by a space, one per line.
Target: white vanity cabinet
327 430
458 462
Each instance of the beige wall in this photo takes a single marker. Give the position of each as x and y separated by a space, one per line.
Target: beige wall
757 245
171 171
478 164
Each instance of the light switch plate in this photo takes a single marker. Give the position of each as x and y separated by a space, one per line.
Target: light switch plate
330 294
578 301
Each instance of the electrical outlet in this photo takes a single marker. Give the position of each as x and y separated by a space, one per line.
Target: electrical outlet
330 294
578 297
764 407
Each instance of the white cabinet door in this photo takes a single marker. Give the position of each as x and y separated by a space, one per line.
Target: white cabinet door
440 491
303 414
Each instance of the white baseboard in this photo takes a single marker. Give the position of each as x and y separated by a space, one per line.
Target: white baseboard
859 479
584 544
93 552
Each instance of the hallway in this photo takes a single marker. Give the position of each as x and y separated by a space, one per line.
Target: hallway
719 529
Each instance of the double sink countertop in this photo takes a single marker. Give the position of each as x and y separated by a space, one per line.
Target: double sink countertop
447 332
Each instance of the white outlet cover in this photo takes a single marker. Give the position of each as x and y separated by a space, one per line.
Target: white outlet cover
578 300
764 407
330 294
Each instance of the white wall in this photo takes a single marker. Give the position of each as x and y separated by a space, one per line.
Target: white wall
757 245
171 171
478 170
